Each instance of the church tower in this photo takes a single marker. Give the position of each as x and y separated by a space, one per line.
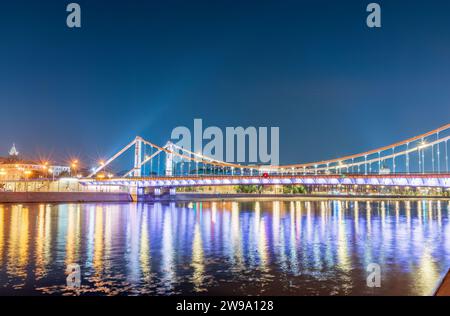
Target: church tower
13 151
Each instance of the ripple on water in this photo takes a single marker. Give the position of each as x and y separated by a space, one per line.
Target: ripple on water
283 248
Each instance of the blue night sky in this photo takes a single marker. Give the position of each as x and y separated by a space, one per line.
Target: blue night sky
313 68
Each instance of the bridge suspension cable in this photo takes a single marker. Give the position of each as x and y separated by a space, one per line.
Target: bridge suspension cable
427 152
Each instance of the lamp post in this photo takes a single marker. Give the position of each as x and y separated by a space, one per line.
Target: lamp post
50 170
45 167
73 166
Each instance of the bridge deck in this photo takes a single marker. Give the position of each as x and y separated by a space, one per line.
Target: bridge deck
287 176
414 180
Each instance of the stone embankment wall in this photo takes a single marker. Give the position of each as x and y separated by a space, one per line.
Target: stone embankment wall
54 197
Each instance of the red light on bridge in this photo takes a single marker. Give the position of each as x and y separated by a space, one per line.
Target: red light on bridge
265 175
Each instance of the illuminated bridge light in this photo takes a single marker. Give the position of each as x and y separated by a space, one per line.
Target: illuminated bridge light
347 181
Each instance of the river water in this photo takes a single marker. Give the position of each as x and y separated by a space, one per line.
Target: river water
225 248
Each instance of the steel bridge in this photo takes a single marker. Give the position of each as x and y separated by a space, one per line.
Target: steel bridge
420 161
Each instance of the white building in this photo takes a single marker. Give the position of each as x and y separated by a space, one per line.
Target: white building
14 167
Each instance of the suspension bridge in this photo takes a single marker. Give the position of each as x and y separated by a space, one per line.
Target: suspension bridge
420 161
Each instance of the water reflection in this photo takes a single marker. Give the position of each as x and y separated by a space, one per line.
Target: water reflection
167 249
197 256
18 243
2 232
43 241
144 251
277 247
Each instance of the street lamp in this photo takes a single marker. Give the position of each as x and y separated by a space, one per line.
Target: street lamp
50 170
27 173
45 168
74 166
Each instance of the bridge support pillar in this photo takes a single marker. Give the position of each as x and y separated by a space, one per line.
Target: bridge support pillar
158 191
169 160
137 157
173 191
136 192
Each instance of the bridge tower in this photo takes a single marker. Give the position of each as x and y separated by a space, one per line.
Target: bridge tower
169 159
137 156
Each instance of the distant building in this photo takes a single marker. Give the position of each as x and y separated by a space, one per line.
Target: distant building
14 167
13 151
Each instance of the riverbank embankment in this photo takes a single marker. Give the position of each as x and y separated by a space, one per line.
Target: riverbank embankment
61 197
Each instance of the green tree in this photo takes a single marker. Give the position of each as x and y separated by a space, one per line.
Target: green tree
294 189
249 188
